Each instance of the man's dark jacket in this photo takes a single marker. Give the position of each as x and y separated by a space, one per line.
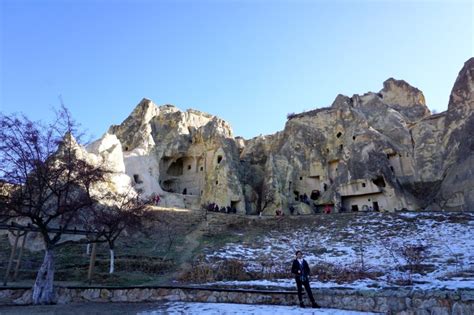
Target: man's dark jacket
296 266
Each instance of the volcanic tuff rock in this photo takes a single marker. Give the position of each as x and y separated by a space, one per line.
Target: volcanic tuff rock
377 151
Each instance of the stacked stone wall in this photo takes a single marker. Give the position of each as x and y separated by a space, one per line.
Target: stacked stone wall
388 301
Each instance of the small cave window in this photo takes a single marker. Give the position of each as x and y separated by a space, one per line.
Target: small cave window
217 182
219 159
301 177
368 199
339 134
136 179
363 185
297 194
379 181
353 137
126 148
189 167
315 194
327 150
202 168
341 147
325 187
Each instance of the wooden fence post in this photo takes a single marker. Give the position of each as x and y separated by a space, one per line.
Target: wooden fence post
91 263
10 261
20 255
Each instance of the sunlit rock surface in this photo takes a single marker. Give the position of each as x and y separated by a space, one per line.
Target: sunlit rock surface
380 151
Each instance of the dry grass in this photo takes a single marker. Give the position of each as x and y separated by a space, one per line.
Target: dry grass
341 274
225 270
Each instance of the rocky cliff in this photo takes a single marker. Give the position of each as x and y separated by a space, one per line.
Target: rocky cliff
374 152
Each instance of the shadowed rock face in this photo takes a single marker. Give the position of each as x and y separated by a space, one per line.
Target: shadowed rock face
377 151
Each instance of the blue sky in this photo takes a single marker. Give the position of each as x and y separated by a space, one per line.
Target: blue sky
248 62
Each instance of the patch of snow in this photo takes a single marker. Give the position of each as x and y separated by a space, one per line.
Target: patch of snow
238 309
373 241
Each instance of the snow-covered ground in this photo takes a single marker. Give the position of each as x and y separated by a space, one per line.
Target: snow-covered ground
167 308
372 242
227 308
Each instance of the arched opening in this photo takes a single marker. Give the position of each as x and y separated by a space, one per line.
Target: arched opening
176 168
181 175
136 179
379 181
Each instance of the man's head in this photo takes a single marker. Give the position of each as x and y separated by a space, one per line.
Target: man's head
299 254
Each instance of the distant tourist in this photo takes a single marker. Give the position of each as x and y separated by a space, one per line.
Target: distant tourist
327 209
292 210
305 199
154 199
301 271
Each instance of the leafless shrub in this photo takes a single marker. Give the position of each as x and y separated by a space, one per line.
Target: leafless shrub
455 258
409 259
148 265
229 269
360 251
326 272
272 270
414 255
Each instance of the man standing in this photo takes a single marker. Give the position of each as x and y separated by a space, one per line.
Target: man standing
300 269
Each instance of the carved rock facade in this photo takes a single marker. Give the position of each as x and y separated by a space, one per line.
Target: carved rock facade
378 151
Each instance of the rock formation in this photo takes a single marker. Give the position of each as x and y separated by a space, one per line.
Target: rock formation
378 151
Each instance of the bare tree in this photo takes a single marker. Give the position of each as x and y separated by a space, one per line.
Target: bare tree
109 220
50 183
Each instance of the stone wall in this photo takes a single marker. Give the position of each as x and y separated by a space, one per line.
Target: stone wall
394 301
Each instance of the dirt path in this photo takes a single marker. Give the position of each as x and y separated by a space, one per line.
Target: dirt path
190 245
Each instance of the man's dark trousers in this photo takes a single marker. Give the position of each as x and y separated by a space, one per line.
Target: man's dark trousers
299 285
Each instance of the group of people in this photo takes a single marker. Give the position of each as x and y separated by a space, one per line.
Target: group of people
213 207
155 199
304 198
